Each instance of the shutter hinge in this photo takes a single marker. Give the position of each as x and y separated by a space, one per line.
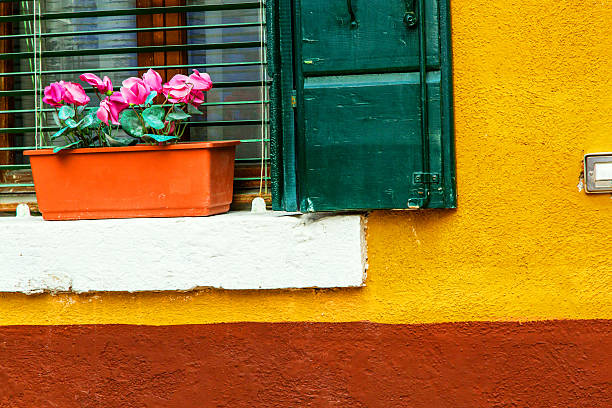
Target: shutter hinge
426 178
293 98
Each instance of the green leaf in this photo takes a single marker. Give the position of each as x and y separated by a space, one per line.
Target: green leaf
121 141
85 122
130 122
71 123
177 114
161 138
193 110
66 112
80 109
56 119
95 122
154 117
150 98
58 148
58 133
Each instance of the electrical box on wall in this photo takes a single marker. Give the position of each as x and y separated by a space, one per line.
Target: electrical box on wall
598 172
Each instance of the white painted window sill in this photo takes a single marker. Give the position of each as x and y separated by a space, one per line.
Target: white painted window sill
238 250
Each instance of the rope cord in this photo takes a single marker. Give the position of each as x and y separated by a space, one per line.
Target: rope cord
35 78
34 28
263 175
39 116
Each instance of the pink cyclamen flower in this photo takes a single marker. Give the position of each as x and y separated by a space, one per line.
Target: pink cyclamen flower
54 94
119 101
131 81
110 108
188 89
135 91
153 80
201 82
196 98
74 93
105 113
102 85
178 79
178 89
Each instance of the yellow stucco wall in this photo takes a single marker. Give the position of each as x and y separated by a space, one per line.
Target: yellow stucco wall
533 92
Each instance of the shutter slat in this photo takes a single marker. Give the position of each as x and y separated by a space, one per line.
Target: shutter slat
133 11
204 104
218 85
132 30
139 68
130 50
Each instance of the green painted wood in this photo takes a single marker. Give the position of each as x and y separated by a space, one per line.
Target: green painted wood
17 185
361 152
369 132
14 166
120 69
218 85
253 102
423 196
275 92
135 11
449 171
289 165
129 30
130 50
298 97
378 41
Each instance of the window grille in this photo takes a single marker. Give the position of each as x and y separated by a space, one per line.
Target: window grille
43 41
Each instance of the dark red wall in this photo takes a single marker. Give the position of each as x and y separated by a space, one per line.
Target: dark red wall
550 364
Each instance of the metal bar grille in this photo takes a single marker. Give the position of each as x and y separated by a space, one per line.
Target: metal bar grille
131 11
130 30
121 38
130 50
237 84
118 69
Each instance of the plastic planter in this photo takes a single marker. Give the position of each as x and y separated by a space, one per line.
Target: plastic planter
179 180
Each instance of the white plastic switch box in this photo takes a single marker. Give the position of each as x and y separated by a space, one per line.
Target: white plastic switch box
598 172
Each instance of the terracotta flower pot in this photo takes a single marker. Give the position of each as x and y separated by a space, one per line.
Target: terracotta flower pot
180 180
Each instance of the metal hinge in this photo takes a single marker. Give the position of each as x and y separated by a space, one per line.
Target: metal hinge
426 178
293 98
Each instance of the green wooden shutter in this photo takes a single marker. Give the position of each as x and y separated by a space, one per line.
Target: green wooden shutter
366 120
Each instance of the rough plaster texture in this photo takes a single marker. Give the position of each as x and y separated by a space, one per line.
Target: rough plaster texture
357 365
231 251
533 92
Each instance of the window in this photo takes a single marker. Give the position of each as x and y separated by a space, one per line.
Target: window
360 91
59 39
